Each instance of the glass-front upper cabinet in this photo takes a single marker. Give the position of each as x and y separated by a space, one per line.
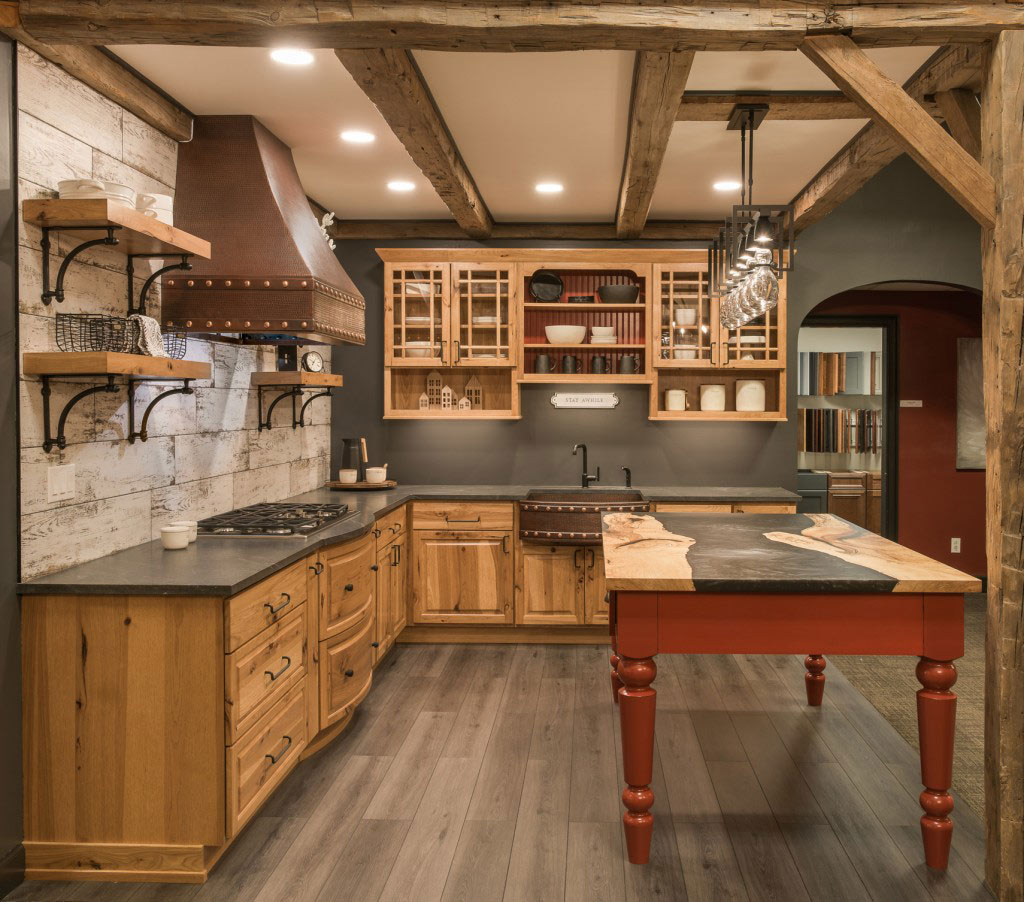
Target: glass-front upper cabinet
416 314
761 343
685 331
483 316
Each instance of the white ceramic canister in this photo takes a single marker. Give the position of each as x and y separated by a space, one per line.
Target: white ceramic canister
191 525
750 394
348 476
712 397
174 538
675 399
685 316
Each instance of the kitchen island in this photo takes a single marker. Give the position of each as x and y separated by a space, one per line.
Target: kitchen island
810 584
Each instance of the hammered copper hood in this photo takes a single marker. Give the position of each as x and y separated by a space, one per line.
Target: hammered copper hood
272 275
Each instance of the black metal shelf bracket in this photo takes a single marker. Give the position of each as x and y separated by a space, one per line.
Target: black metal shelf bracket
326 393
183 264
59 441
142 433
293 393
57 292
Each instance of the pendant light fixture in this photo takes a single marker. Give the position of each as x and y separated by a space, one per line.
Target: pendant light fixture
754 248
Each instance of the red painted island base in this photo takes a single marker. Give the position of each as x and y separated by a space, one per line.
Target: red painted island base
930 627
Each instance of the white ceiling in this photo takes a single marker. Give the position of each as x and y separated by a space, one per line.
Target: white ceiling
518 119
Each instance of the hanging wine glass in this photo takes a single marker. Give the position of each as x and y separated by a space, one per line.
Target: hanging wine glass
764 284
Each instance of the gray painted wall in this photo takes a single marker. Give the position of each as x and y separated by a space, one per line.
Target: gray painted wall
900 226
10 658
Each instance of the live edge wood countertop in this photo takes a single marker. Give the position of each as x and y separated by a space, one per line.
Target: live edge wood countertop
224 566
798 553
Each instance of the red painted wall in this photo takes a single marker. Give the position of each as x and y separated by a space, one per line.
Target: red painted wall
936 501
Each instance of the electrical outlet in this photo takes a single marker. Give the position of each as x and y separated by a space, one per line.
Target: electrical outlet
60 483
954 546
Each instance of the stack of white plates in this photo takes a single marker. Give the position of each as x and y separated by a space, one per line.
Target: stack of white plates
603 335
95 189
485 320
157 206
417 320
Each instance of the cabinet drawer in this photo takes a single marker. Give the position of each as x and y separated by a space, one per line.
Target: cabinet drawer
462 516
390 527
347 585
846 480
691 507
346 668
263 670
258 762
252 611
765 507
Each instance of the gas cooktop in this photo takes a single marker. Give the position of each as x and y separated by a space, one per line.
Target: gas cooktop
274 520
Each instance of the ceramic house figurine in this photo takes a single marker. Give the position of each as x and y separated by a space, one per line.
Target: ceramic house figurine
465 404
447 398
434 388
424 402
475 392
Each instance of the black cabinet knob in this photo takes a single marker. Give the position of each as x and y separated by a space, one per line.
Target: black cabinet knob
374 645
373 567
350 673
349 587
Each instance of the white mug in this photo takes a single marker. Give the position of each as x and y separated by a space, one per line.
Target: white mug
347 476
174 538
191 525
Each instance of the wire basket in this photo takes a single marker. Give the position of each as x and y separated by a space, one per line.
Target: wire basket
175 343
94 332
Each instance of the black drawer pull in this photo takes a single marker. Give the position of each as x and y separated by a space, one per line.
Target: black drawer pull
287 664
374 567
287 745
374 645
287 601
317 568
350 673
349 587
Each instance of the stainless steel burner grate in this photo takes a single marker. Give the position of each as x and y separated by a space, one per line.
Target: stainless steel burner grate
282 519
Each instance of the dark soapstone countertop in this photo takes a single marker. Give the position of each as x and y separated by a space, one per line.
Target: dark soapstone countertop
223 566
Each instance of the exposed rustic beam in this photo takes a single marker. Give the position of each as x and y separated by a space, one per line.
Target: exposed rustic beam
962 113
659 80
478 25
668 230
1003 341
392 80
106 75
715 106
871 150
906 122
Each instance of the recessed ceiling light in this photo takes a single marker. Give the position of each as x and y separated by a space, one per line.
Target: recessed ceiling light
291 56
354 136
548 187
727 185
400 185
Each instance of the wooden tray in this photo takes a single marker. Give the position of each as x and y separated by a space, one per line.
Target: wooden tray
335 486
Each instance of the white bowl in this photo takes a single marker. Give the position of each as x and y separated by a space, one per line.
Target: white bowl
602 330
174 538
347 476
685 353
376 474
685 316
418 349
96 188
565 335
191 525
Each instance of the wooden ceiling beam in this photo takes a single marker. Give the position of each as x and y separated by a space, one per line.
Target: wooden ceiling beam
659 80
654 230
906 122
871 149
479 25
716 106
962 114
106 75
392 80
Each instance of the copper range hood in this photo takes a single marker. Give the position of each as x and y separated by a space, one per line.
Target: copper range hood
272 276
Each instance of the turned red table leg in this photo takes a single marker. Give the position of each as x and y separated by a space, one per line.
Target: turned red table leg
814 679
936 719
616 682
636 712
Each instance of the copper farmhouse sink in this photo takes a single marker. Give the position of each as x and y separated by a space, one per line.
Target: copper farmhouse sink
571 518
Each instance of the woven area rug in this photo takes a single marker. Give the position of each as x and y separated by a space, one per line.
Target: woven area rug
887 682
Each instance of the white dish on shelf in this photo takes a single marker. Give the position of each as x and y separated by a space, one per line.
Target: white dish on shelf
747 339
419 349
604 341
485 320
418 320
565 335
686 352
96 189
602 330
685 316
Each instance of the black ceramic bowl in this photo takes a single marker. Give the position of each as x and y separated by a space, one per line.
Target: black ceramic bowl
618 294
546 286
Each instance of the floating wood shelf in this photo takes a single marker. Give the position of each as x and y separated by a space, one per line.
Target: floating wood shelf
536 305
583 378
108 363
466 415
600 346
723 415
135 232
307 380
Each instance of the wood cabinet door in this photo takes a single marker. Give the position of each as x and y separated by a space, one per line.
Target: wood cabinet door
595 589
347 585
383 631
849 503
399 570
416 315
483 315
684 328
760 344
346 671
462 577
549 582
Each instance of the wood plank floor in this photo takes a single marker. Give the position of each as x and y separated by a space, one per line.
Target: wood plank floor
476 773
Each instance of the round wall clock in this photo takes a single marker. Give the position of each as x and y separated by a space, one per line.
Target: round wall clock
313 362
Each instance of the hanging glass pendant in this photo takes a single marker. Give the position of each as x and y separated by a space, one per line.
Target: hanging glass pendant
764 284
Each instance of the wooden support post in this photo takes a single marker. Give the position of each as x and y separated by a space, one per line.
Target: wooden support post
962 113
907 123
1003 330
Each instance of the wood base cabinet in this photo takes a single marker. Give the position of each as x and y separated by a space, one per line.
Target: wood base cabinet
392 581
346 671
462 577
560 584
